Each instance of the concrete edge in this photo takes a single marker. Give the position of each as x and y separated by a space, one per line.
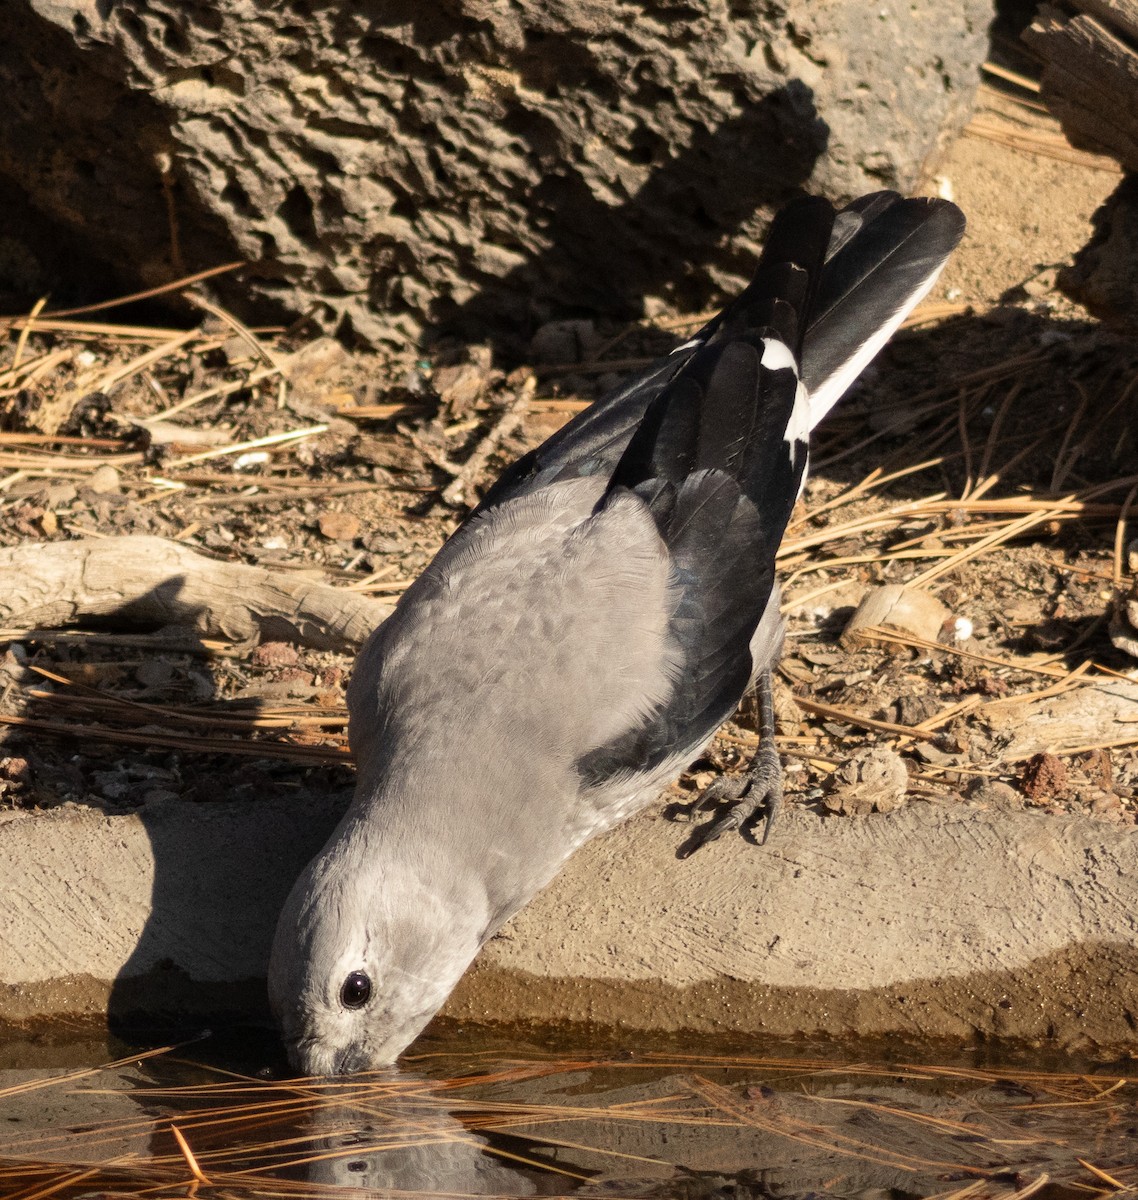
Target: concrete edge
933 922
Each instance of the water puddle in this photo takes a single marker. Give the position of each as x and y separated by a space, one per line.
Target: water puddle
532 1117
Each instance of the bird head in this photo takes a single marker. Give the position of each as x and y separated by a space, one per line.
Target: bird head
367 949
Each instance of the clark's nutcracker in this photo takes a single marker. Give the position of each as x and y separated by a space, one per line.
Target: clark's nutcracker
579 640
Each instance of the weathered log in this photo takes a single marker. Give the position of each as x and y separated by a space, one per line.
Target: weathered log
151 581
1090 77
1090 81
389 165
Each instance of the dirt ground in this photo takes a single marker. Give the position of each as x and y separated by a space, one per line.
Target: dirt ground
987 458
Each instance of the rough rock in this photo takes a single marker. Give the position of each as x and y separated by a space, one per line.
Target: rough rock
1044 776
387 166
909 610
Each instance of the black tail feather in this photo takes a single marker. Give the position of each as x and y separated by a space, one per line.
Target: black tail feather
727 408
857 287
884 253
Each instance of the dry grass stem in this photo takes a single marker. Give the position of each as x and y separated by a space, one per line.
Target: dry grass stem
329 755
272 439
176 285
25 332
44 439
456 492
1119 549
1045 143
877 634
66 465
380 412
118 708
215 393
1009 76
140 641
188 1155
95 330
999 537
1105 1176
29 372
1065 458
255 1138
834 713
259 349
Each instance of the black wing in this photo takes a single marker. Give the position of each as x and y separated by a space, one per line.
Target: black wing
719 457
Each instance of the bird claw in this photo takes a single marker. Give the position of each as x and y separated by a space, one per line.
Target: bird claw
758 789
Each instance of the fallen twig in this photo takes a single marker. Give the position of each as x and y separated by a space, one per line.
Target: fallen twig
852 718
456 491
118 301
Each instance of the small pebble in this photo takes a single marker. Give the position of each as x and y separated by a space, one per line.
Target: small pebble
339 526
105 482
275 654
995 794
1044 776
15 768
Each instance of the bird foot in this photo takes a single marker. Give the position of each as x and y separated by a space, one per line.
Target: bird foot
757 789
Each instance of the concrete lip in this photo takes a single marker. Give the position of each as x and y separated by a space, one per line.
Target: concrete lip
935 921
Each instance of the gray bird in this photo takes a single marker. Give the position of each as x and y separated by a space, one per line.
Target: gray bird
580 638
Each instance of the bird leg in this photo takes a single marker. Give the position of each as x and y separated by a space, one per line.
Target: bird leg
759 786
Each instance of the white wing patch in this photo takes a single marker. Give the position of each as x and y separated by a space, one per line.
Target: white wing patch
798 427
778 356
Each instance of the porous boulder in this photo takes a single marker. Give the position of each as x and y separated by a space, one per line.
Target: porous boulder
389 166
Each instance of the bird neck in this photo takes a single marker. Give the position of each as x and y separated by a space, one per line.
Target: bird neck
459 834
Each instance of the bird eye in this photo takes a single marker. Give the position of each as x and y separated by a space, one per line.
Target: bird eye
356 991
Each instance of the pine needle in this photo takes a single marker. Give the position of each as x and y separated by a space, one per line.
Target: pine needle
188 1155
